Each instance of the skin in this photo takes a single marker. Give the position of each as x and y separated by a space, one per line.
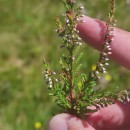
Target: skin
113 117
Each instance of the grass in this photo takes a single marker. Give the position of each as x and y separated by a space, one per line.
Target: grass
26 36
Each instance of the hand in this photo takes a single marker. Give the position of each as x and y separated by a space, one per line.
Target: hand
113 117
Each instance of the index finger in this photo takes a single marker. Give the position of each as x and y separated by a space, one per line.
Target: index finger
93 31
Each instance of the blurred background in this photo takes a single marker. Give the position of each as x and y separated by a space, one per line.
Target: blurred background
26 37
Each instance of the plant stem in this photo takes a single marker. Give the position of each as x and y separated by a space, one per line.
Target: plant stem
72 96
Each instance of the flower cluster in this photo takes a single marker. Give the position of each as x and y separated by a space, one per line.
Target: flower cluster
70 31
124 96
49 76
108 39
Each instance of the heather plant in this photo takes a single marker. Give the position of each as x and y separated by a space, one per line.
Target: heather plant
64 87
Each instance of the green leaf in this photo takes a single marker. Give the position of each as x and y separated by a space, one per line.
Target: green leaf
77 69
78 58
66 60
76 50
45 64
92 83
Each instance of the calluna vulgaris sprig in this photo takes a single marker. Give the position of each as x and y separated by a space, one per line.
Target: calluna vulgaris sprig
73 99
